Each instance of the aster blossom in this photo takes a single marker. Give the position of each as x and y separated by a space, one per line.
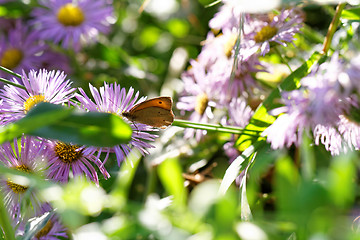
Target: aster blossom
280 29
307 109
53 229
20 49
200 96
113 99
67 160
30 158
70 21
239 115
41 86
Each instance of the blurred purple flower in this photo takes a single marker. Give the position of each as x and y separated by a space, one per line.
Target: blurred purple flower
56 61
30 158
20 49
228 17
243 82
73 22
200 95
239 115
308 108
53 229
114 99
41 86
281 29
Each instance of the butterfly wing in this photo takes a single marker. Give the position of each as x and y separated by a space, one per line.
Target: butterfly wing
153 116
160 102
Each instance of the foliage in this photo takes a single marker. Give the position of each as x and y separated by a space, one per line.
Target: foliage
188 186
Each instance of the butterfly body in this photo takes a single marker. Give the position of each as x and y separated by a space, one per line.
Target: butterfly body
155 112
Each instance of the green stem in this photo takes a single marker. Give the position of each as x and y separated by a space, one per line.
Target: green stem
12 83
332 28
282 58
10 72
214 127
5 221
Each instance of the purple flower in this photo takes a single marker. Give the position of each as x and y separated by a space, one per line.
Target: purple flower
200 95
228 16
20 49
308 109
114 99
281 29
243 82
65 160
70 21
53 229
30 157
41 86
343 137
56 61
239 115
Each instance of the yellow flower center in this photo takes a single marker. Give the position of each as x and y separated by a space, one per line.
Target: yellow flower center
17 188
70 15
68 153
32 101
265 33
229 45
45 230
11 58
202 101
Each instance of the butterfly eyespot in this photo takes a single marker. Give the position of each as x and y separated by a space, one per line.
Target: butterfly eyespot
160 102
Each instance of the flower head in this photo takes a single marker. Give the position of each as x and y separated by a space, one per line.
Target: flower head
30 157
52 230
70 21
280 29
228 16
114 99
41 86
20 49
200 95
239 115
308 108
68 160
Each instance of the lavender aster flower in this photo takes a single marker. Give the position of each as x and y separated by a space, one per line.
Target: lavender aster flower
70 21
53 229
239 115
308 107
281 29
200 95
114 99
66 159
31 157
243 82
20 49
228 16
41 86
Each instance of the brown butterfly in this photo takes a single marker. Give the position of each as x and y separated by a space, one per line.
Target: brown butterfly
155 112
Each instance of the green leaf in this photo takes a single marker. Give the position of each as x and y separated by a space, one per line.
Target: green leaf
39 116
170 174
88 128
341 175
261 118
234 169
286 183
62 123
125 178
33 226
179 28
352 14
